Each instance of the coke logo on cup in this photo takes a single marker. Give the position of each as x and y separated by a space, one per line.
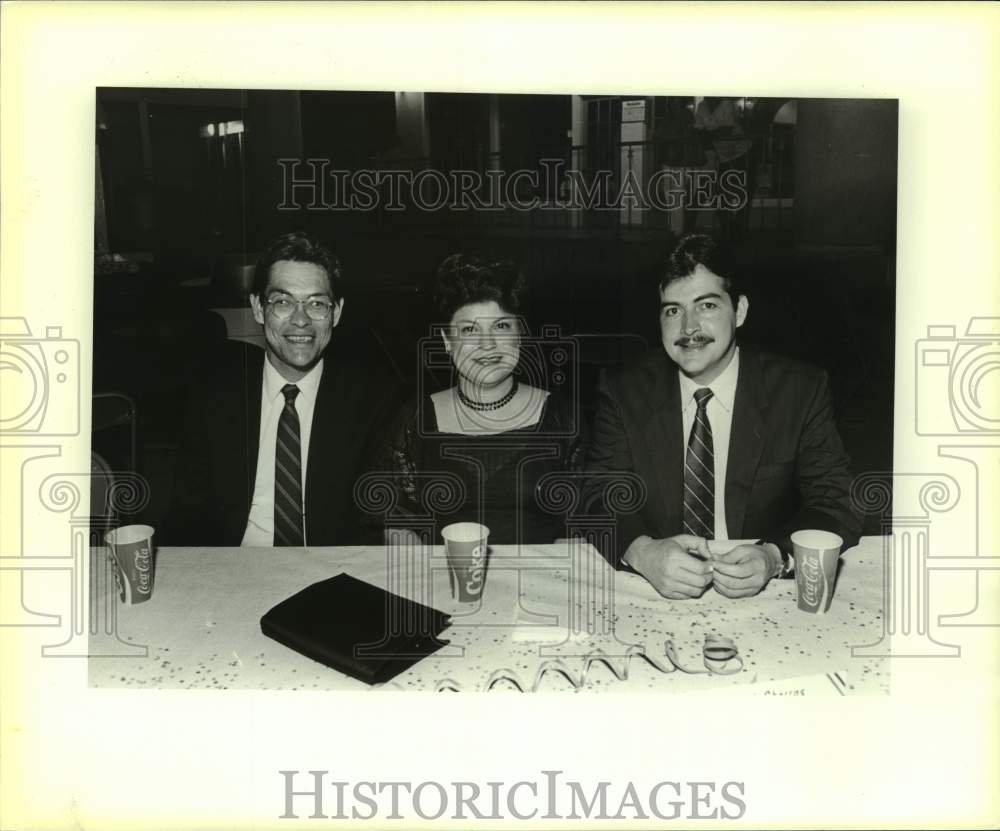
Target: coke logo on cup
475 581
812 571
141 560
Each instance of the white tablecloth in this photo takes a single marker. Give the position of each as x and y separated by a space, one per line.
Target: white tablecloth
553 617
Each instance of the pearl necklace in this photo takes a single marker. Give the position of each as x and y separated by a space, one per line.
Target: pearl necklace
485 407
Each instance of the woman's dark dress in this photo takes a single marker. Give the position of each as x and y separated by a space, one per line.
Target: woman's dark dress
499 473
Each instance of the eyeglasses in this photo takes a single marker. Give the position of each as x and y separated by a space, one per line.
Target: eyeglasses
284 307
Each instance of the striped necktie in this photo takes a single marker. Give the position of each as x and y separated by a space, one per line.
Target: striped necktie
699 473
288 474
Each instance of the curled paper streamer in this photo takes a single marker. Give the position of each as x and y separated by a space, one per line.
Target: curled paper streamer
717 654
719 649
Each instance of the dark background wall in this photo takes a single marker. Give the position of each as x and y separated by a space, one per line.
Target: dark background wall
848 151
187 214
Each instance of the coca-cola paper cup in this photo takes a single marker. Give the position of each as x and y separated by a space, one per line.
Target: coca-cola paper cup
816 556
466 549
133 555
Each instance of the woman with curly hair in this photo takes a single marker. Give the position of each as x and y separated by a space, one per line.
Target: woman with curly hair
495 427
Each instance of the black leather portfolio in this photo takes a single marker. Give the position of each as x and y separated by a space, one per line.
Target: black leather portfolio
356 628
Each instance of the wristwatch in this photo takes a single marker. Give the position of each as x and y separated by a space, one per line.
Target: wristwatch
787 563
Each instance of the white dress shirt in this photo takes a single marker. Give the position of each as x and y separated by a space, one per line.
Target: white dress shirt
720 417
260 526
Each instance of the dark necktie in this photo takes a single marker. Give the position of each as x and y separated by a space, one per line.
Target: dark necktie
699 473
288 474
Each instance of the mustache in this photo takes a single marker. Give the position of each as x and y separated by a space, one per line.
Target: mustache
694 340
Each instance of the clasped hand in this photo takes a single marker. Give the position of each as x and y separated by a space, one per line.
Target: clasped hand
680 567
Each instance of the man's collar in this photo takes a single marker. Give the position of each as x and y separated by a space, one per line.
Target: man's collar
308 384
723 388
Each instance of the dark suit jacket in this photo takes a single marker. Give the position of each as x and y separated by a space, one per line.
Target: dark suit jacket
217 465
787 469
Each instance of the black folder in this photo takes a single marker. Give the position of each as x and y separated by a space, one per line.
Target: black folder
356 628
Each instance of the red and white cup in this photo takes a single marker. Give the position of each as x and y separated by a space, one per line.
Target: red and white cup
465 545
133 557
816 556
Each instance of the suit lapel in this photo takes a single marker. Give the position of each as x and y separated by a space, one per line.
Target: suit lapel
253 383
327 424
663 435
746 440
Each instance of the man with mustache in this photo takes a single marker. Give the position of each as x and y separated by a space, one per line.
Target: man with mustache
274 438
730 443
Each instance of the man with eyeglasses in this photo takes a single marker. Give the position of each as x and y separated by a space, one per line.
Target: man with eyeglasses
274 439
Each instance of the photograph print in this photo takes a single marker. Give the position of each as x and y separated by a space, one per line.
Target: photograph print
479 391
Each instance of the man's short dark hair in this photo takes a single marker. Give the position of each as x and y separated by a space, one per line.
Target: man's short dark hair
299 247
470 278
693 250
